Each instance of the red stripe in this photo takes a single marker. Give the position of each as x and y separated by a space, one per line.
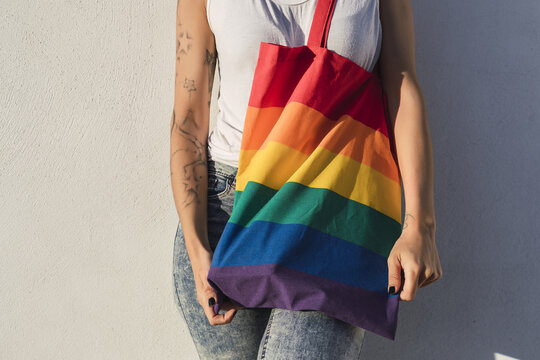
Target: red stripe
291 74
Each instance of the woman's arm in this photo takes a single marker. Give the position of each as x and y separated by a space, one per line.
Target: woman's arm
195 66
415 252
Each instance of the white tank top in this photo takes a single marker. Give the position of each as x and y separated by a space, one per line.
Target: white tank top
240 25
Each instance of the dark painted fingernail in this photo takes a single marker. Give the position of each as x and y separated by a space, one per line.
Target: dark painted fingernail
211 301
392 290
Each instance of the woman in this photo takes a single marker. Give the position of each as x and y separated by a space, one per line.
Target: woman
203 167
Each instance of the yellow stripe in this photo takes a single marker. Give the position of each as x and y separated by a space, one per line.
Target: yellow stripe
310 129
322 169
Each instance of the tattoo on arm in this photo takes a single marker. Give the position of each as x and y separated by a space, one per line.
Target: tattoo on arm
210 60
173 122
184 42
193 171
189 85
406 220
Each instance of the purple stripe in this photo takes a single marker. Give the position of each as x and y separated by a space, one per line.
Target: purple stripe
251 286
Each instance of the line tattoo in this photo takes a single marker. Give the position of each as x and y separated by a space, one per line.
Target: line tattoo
193 171
173 122
406 220
210 60
189 119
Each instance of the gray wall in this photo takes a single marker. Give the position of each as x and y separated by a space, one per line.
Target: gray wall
479 66
87 218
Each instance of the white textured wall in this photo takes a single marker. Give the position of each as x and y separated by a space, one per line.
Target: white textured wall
87 218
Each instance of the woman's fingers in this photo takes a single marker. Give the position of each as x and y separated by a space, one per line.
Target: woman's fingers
207 300
394 275
220 319
428 281
432 275
228 316
426 277
410 286
208 305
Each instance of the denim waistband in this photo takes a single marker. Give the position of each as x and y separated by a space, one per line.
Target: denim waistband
221 167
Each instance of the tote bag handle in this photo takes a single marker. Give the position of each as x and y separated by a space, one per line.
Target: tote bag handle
318 33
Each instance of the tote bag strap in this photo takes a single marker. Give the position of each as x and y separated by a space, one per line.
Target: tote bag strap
318 33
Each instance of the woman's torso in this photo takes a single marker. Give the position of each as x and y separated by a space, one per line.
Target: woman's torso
240 25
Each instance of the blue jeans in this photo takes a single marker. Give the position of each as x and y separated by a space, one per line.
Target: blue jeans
253 333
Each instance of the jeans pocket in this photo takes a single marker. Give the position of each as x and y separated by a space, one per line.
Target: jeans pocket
218 184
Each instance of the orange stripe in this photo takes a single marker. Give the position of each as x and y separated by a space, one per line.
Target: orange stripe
304 129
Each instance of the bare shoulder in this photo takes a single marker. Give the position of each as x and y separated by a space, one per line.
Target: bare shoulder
192 12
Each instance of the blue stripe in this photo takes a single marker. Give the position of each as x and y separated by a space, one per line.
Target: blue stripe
302 248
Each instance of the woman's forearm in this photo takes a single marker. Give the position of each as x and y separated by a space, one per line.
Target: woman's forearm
414 152
414 261
195 66
189 179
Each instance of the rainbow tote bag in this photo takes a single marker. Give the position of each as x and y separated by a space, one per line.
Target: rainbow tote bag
317 204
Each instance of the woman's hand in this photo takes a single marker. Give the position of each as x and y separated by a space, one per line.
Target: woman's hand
415 256
205 291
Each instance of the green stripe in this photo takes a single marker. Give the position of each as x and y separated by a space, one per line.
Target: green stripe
321 209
